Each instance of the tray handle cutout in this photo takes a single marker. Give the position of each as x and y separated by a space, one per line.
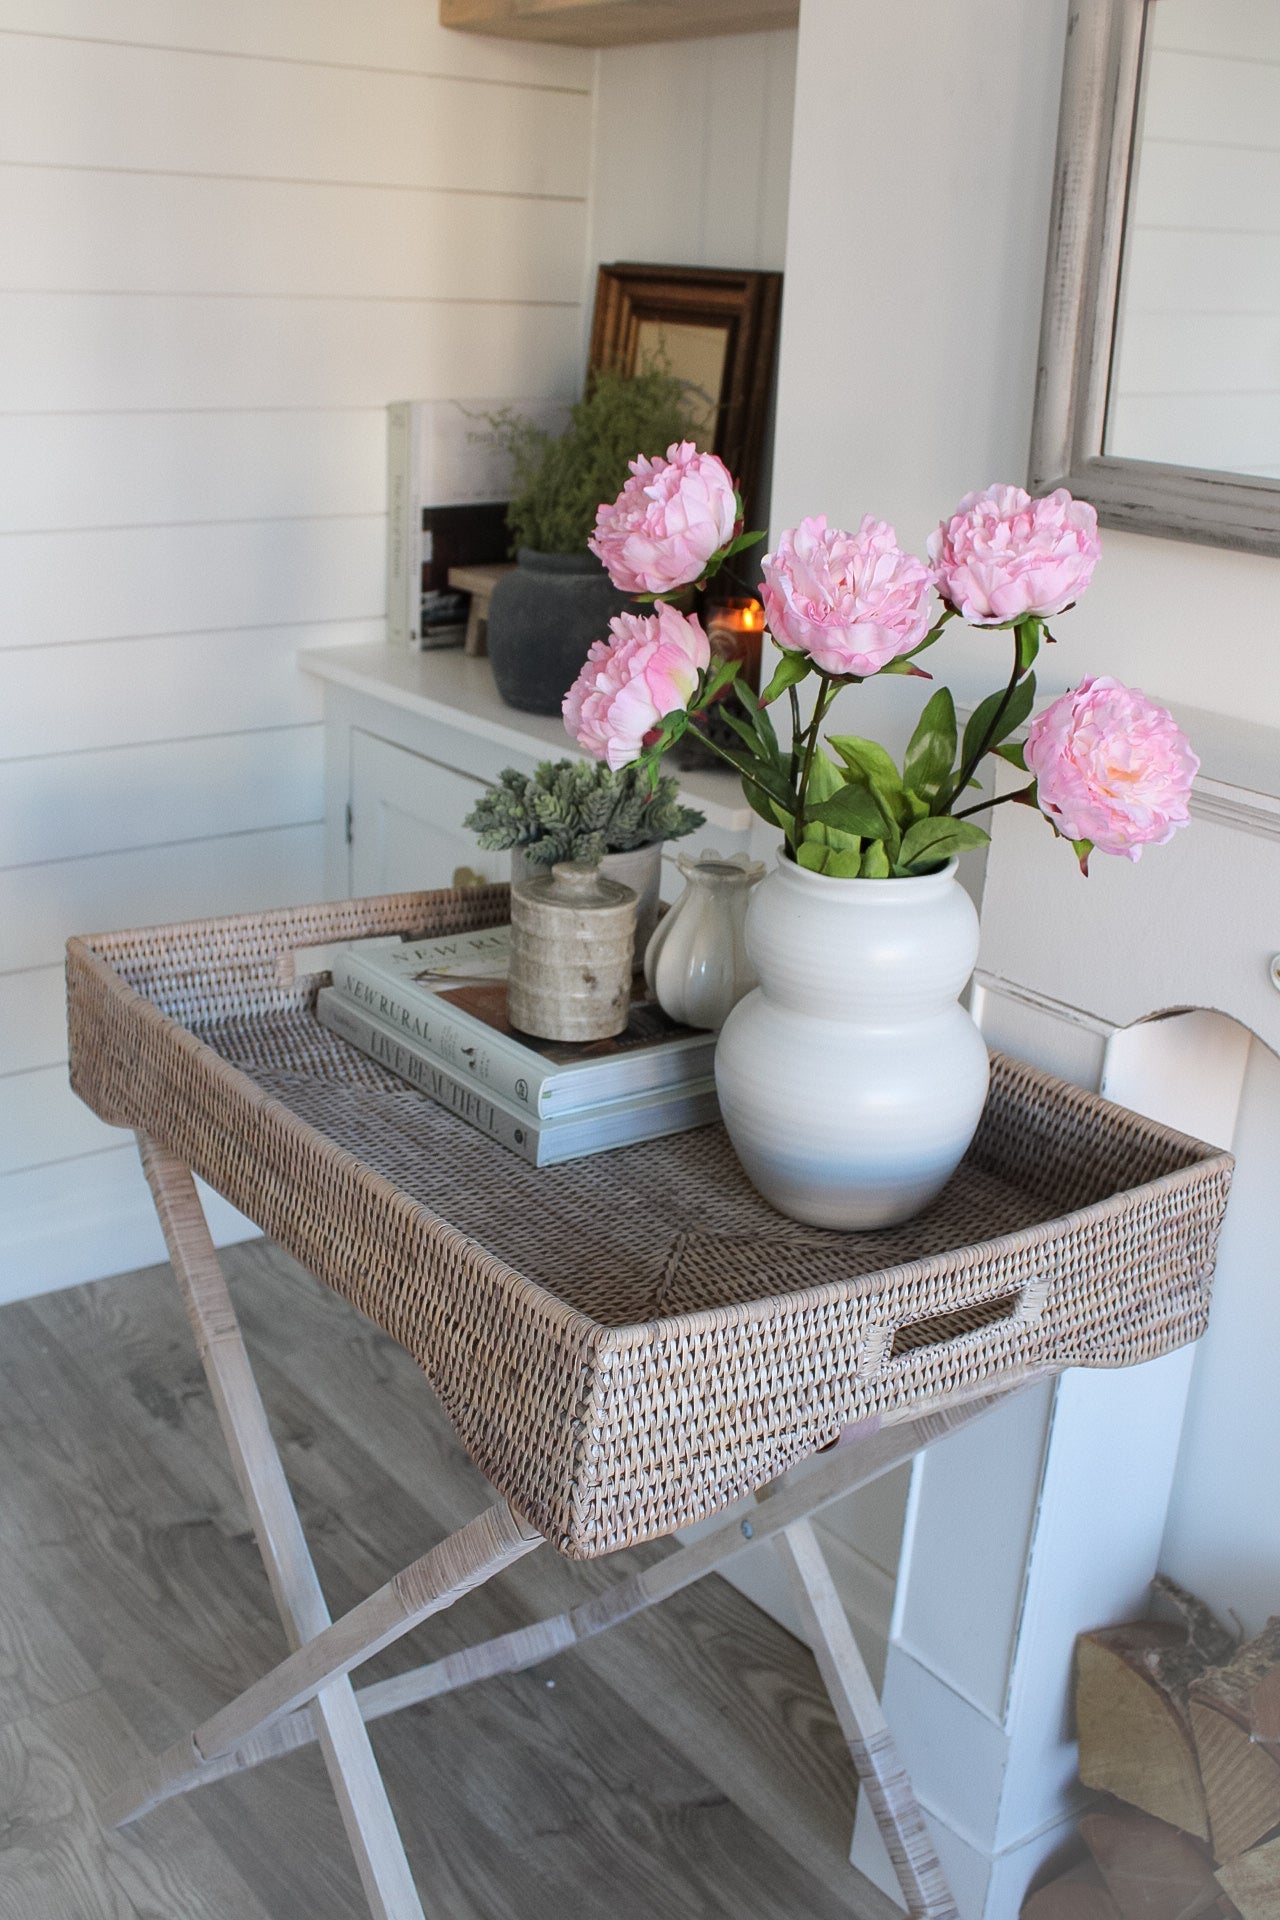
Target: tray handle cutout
1023 1305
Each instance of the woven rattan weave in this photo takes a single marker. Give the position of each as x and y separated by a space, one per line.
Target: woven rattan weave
629 1342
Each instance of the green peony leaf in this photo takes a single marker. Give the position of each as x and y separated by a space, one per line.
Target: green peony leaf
825 779
931 843
869 759
791 670
1028 636
811 856
845 863
931 751
750 701
984 718
875 861
853 809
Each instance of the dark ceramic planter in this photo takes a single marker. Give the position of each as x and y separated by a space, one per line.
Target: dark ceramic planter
543 618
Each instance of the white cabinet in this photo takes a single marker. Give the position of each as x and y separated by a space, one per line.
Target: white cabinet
412 739
405 826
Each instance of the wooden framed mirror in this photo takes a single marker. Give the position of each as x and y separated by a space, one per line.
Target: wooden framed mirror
714 328
1158 383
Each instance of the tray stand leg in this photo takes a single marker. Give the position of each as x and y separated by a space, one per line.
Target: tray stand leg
314 1677
876 1759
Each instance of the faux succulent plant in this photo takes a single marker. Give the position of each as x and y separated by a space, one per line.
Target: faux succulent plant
578 810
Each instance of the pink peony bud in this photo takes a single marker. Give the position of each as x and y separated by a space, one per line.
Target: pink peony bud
667 522
852 601
1003 555
1111 767
649 669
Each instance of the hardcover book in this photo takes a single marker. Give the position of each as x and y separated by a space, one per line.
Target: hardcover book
448 482
544 1143
449 997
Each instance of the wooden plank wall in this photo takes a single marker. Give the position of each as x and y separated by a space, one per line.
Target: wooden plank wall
229 235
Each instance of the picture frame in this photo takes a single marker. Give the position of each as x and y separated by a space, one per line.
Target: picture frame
716 328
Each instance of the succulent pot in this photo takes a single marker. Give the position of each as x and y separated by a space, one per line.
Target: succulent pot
851 1081
572 941
640 869
543 617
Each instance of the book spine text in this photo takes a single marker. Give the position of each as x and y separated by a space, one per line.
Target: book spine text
424 1020
410 1063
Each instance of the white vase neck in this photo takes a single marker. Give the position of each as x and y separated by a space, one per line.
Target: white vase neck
828 886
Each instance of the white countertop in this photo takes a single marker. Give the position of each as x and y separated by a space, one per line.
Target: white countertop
457 691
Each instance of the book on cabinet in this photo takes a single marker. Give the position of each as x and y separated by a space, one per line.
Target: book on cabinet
448 483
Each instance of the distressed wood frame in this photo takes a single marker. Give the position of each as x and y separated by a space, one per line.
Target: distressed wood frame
309 1697
747 305
1077 331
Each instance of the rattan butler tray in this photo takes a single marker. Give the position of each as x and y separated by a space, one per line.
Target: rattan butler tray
624 1344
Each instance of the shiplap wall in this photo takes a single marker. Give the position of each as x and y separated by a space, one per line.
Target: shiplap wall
1198 362
229 234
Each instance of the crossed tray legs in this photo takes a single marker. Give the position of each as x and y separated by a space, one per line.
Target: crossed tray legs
309 1695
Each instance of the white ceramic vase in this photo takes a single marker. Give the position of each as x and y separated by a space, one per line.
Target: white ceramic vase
696 964
851 1081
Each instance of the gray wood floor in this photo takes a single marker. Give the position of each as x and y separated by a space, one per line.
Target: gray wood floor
686 1764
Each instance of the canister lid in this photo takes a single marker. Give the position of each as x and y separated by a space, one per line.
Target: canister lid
577 885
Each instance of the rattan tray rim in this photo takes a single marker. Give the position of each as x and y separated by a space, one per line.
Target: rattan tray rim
610 1338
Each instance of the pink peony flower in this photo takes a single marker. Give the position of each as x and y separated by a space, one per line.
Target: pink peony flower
650 668
1112 767
669 519
1002 554
851 601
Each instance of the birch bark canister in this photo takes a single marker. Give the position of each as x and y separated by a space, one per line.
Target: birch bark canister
572 951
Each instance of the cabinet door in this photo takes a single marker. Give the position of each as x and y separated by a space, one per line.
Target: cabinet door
406 828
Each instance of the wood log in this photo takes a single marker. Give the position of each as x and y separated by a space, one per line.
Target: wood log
1152 1870
1253 1882
1240 1775
1133 1725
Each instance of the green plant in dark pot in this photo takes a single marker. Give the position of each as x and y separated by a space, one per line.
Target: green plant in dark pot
544 616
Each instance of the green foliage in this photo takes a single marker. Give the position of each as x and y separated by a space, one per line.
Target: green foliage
931 752
995 718
578 810
560 483
929 843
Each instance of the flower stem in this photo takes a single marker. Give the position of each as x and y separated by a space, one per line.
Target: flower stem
825 695
795 735
985 806
741 772
992 732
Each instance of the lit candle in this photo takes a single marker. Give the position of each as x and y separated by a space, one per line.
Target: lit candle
734 629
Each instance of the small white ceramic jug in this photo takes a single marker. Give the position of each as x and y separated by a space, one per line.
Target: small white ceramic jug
696 964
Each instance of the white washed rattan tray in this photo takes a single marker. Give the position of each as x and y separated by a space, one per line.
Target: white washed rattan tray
629 1342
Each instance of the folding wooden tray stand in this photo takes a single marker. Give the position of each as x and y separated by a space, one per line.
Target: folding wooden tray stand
625 1344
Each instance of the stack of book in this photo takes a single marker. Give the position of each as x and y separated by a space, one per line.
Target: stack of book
435 1013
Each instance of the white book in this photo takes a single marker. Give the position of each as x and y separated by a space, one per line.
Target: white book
442 454
448 997
543 1143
